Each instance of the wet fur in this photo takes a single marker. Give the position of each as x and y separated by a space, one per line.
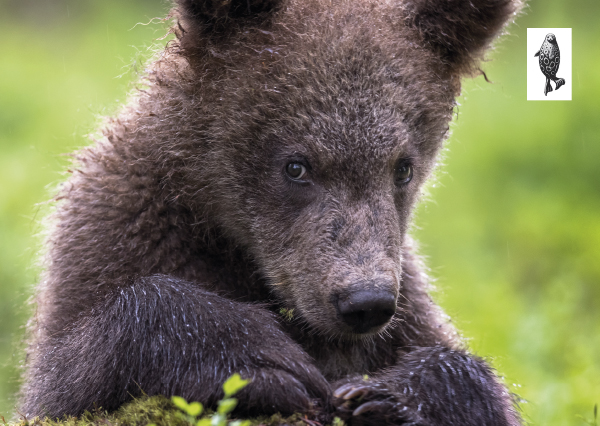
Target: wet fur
177 240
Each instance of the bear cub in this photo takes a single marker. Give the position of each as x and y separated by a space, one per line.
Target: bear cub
268 164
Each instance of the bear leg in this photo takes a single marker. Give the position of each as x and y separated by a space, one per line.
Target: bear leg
162 335
433 386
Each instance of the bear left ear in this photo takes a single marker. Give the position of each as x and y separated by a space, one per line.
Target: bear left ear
459 31
217 14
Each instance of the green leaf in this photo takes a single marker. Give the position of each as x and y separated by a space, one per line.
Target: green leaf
338 422
204 422
234 384
226 406
195 409
219 420
241 423
180 403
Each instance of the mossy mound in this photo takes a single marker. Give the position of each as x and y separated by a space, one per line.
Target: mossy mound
155 410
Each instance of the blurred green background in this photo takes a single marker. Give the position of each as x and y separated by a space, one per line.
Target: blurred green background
512 231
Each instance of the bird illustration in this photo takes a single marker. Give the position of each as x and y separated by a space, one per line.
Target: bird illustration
549 55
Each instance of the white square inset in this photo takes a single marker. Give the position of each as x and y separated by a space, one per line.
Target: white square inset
536 80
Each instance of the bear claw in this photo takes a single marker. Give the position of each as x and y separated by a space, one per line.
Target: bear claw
342 390
367 406
349 391
358 391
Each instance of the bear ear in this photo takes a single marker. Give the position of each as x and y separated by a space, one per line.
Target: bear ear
220 14
459 30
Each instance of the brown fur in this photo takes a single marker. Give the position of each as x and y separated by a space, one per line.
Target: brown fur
181 219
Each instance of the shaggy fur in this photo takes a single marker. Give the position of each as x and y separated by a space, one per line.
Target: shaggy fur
179 238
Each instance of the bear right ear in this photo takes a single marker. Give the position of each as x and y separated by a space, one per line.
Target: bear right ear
459 31
219 14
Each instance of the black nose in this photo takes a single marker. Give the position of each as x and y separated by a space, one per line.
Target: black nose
364 310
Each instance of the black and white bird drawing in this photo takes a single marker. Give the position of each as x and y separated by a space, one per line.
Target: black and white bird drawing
549 55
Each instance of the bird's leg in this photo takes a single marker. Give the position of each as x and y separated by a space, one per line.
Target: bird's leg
559 82
548 87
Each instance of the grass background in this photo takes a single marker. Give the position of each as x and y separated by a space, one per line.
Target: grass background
512 232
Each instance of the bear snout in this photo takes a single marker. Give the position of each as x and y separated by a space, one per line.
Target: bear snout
366 309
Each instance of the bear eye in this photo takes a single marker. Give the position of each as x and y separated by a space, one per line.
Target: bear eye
295 170
404 173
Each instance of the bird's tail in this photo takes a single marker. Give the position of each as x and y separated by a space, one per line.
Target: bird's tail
548 87
559 82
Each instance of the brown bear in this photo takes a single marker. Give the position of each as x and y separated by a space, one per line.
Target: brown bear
269 163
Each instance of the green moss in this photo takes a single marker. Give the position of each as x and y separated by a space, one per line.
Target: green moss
156 410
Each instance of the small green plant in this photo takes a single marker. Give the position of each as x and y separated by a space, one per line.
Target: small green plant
287 314
338 422
191 411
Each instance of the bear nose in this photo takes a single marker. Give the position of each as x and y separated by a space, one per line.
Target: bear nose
364 310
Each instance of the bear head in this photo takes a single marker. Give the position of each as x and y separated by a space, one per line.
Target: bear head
311 129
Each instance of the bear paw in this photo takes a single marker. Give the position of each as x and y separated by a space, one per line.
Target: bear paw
364 403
